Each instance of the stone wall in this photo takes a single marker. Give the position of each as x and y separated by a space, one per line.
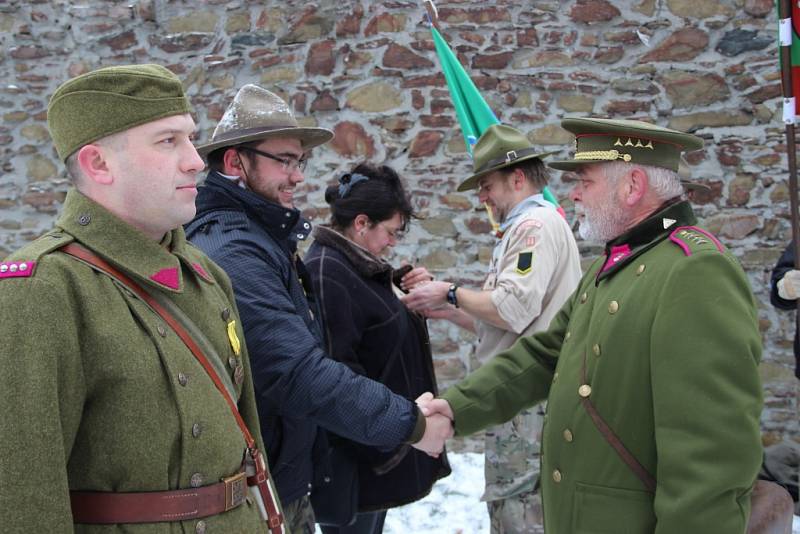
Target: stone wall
368 71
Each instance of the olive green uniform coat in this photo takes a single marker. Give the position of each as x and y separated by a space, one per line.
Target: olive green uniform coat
662 337
97 393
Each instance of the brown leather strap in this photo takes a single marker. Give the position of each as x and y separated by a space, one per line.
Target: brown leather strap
92 507
261 477
630 460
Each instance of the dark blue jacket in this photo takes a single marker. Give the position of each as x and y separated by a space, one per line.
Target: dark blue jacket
297 386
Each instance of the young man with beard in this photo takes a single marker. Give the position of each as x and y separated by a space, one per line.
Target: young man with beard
535 267
247 222
651 367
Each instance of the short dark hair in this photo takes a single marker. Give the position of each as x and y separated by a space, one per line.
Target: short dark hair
534 170
216 158
379 197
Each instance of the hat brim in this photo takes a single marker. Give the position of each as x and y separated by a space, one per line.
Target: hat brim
572 164
308 137
472 181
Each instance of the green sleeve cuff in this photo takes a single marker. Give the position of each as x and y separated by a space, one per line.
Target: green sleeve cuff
419 428
458 404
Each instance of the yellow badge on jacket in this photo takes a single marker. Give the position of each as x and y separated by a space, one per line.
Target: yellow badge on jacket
524 262
236 345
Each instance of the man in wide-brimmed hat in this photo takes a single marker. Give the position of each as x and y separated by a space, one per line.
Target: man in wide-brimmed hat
247 222
535 267
651 367
110 422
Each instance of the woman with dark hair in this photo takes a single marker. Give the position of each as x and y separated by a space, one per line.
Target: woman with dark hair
370 330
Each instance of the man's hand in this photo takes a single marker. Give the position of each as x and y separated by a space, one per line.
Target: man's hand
426 296
789 285
429 405
438 429
414 277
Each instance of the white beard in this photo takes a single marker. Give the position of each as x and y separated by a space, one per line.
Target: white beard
603 223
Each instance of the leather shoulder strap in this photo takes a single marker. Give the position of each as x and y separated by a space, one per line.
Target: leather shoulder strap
73 249
625 455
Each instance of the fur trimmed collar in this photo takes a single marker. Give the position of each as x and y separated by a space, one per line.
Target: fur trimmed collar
366 263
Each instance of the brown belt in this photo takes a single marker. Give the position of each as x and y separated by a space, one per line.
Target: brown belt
95 507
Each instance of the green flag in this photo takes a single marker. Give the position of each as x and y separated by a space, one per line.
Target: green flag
474 114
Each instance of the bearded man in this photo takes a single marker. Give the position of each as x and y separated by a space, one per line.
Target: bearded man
651 367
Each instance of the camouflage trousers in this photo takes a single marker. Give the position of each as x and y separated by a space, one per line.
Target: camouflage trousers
520 514
299 516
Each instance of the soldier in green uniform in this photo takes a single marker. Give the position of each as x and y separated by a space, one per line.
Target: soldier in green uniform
650 368
110 422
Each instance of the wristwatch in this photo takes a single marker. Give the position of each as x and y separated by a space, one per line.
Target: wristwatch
451 295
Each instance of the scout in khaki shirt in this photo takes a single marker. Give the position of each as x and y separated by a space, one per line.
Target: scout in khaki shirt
110 421
650 369
535 267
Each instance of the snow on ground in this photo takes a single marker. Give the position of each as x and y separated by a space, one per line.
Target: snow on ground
453 506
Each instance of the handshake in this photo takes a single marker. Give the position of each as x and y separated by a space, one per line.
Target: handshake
438 424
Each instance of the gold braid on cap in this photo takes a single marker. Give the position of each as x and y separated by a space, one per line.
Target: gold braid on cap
603 155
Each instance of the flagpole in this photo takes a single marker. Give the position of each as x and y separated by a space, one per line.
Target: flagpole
786 31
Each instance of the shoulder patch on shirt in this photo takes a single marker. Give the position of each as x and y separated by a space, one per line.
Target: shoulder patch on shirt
693 239
16 269
524 262
527 225
22 263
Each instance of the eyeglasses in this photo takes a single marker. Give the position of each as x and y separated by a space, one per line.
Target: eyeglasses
396 233
289 164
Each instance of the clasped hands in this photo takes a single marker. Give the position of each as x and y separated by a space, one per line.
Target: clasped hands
438 424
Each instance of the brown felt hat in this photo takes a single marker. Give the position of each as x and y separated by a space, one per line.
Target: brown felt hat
256 114
110 100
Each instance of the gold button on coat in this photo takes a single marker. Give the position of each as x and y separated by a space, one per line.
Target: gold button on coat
196 481
566 336
197 430
200 528
584 297
555 376
596 349
585 390
568 435
640 269
162 331
613 306
183 379
556 475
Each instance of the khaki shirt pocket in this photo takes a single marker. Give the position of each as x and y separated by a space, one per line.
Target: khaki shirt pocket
604 510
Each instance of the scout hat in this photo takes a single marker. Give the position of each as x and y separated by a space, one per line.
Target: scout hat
109 100
498 147
604 140
256 114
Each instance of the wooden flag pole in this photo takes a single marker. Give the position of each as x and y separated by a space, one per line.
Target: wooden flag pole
785 15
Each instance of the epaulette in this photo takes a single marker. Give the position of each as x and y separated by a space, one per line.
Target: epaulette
22 263
693 239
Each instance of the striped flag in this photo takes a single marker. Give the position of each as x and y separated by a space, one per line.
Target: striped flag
474 114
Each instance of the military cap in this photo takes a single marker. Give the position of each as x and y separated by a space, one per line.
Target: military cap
498 147
110 100
256 114
604 140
